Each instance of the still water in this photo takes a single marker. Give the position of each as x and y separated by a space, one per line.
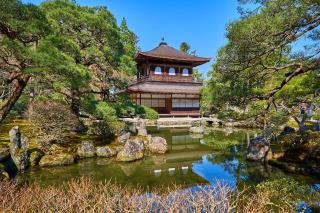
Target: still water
191 160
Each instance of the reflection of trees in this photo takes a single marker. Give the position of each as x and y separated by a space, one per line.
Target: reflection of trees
224 141
231 148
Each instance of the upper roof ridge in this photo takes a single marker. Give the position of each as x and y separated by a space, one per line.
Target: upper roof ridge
166 52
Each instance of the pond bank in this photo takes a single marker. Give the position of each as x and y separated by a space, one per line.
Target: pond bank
191 161
298 152
189 122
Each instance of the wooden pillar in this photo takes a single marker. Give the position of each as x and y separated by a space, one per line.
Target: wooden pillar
139 98
148 69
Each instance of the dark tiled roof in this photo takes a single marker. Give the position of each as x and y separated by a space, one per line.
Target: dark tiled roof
164 51
166 87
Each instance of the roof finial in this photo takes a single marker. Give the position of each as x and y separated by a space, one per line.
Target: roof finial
163 42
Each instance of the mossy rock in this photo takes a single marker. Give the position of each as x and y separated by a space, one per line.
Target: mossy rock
57 149
145 139
123 156
86 150
35 156
105 151
132 150
123 138
157 145
116 148
56 160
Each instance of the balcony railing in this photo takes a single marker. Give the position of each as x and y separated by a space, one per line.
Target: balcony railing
166 78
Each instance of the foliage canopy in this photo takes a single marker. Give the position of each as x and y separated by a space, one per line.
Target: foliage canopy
62 52
271 59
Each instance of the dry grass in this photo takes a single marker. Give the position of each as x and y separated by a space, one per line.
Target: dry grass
84 195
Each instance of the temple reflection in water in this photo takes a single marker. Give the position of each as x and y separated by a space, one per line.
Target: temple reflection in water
191 160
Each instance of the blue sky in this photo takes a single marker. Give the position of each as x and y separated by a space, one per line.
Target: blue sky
201 23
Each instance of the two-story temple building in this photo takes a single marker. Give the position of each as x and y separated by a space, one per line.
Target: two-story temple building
165 81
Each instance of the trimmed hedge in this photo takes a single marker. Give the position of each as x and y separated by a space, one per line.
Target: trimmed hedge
147 112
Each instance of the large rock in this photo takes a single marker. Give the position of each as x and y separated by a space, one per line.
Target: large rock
4 154
259 149
157 145
105 151
132 150
56 160
123 138
19 149
86 150
197 129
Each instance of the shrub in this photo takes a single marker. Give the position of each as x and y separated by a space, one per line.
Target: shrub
124 107
224 115
109 124
147 112
88 103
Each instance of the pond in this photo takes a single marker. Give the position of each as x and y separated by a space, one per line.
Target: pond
192 160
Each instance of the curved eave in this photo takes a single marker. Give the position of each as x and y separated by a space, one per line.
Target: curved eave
141 56
166 87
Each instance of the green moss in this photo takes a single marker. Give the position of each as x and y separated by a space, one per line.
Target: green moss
139 137
56 160
35 156
127 158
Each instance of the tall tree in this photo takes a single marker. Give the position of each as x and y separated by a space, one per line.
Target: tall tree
72 53
95 43
129 41
186 48
270 50
22 26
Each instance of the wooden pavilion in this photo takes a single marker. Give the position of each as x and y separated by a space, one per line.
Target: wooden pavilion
165 81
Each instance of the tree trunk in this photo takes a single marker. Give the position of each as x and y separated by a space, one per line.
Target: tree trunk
21 83
75 102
